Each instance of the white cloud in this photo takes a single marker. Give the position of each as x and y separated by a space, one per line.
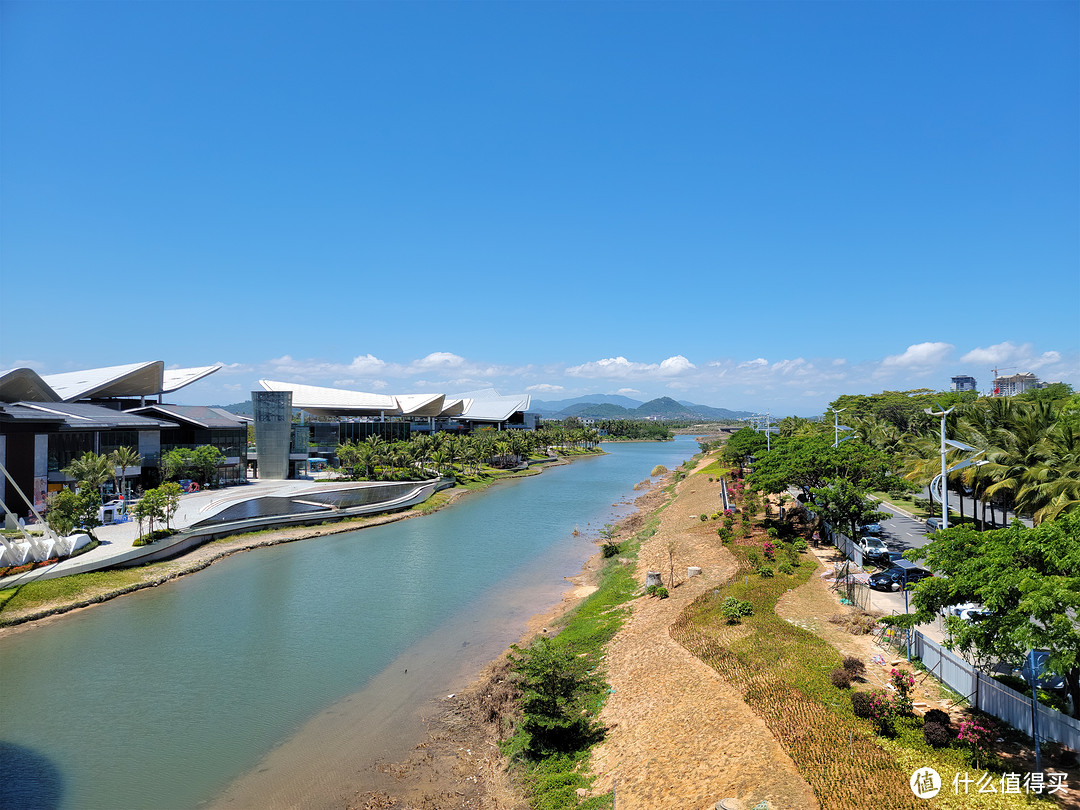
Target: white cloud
1046 358
919 355
761 361
675 365
438 360
996 354
1018 358
627 391
796 366
367 364
545 387
621 368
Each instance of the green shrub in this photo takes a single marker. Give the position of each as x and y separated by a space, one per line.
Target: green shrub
704 518
765 571
785 568
610 549
799 544
734 609
752 557
661 592
937 716
556 685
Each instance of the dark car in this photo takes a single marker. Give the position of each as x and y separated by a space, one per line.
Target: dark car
900 574
1046 680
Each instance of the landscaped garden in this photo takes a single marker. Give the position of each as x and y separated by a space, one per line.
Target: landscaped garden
856 748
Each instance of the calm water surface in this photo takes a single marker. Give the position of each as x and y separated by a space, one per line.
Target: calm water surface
272 663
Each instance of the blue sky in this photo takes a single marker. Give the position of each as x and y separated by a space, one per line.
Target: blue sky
746 205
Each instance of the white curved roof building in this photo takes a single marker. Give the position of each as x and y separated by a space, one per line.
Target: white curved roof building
486 405
134 380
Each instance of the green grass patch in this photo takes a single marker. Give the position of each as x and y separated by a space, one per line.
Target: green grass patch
716 470
551 782
44 592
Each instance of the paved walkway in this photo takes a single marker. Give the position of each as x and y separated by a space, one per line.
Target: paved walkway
116 539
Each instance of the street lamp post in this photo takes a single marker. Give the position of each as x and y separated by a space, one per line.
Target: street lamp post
837 427
941 482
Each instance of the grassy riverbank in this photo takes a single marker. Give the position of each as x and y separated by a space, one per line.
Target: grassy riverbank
553 781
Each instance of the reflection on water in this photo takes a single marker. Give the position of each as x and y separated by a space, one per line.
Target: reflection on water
28 780
175 691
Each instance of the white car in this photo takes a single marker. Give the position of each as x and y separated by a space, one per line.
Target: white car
873 549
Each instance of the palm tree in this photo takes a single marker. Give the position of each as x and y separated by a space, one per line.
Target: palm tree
124 457
90 470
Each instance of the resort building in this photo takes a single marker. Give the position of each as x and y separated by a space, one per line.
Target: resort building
347 415
48 421
1014 384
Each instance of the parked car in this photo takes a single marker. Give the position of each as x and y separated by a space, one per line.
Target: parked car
1022 669
874 550
968 611
902 573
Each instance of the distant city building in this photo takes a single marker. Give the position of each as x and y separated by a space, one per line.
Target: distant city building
1014 384
962 382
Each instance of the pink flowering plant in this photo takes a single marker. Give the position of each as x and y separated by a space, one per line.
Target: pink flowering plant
975 736
769 550
903 682
882 713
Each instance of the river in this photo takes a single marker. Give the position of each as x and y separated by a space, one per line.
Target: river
274 673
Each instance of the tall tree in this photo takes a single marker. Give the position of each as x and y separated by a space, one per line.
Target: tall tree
124 458
1028 580
90 470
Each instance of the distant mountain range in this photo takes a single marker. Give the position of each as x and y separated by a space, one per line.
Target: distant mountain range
243 408
614 406
599 406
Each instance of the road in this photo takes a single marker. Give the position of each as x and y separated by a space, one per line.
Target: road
902 532
970 507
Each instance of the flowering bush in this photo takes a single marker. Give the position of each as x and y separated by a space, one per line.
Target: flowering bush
883 712
769 549
975 734
903 682
728 513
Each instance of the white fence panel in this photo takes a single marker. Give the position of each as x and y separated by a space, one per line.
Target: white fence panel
994 697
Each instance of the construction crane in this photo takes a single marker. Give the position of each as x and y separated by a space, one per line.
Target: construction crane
997 391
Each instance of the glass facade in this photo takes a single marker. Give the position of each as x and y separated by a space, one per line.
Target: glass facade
66 447
388 431
111 440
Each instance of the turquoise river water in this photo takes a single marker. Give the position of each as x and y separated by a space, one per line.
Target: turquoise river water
278 677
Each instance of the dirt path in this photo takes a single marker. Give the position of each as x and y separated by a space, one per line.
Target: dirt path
679 736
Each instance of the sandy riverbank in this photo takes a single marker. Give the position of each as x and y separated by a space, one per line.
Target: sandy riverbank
678 736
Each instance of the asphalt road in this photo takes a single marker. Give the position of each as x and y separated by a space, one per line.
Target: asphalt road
901 533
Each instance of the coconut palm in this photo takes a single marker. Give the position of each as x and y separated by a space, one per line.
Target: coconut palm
90 470
124 457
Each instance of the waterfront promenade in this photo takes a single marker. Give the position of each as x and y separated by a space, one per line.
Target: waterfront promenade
116 539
